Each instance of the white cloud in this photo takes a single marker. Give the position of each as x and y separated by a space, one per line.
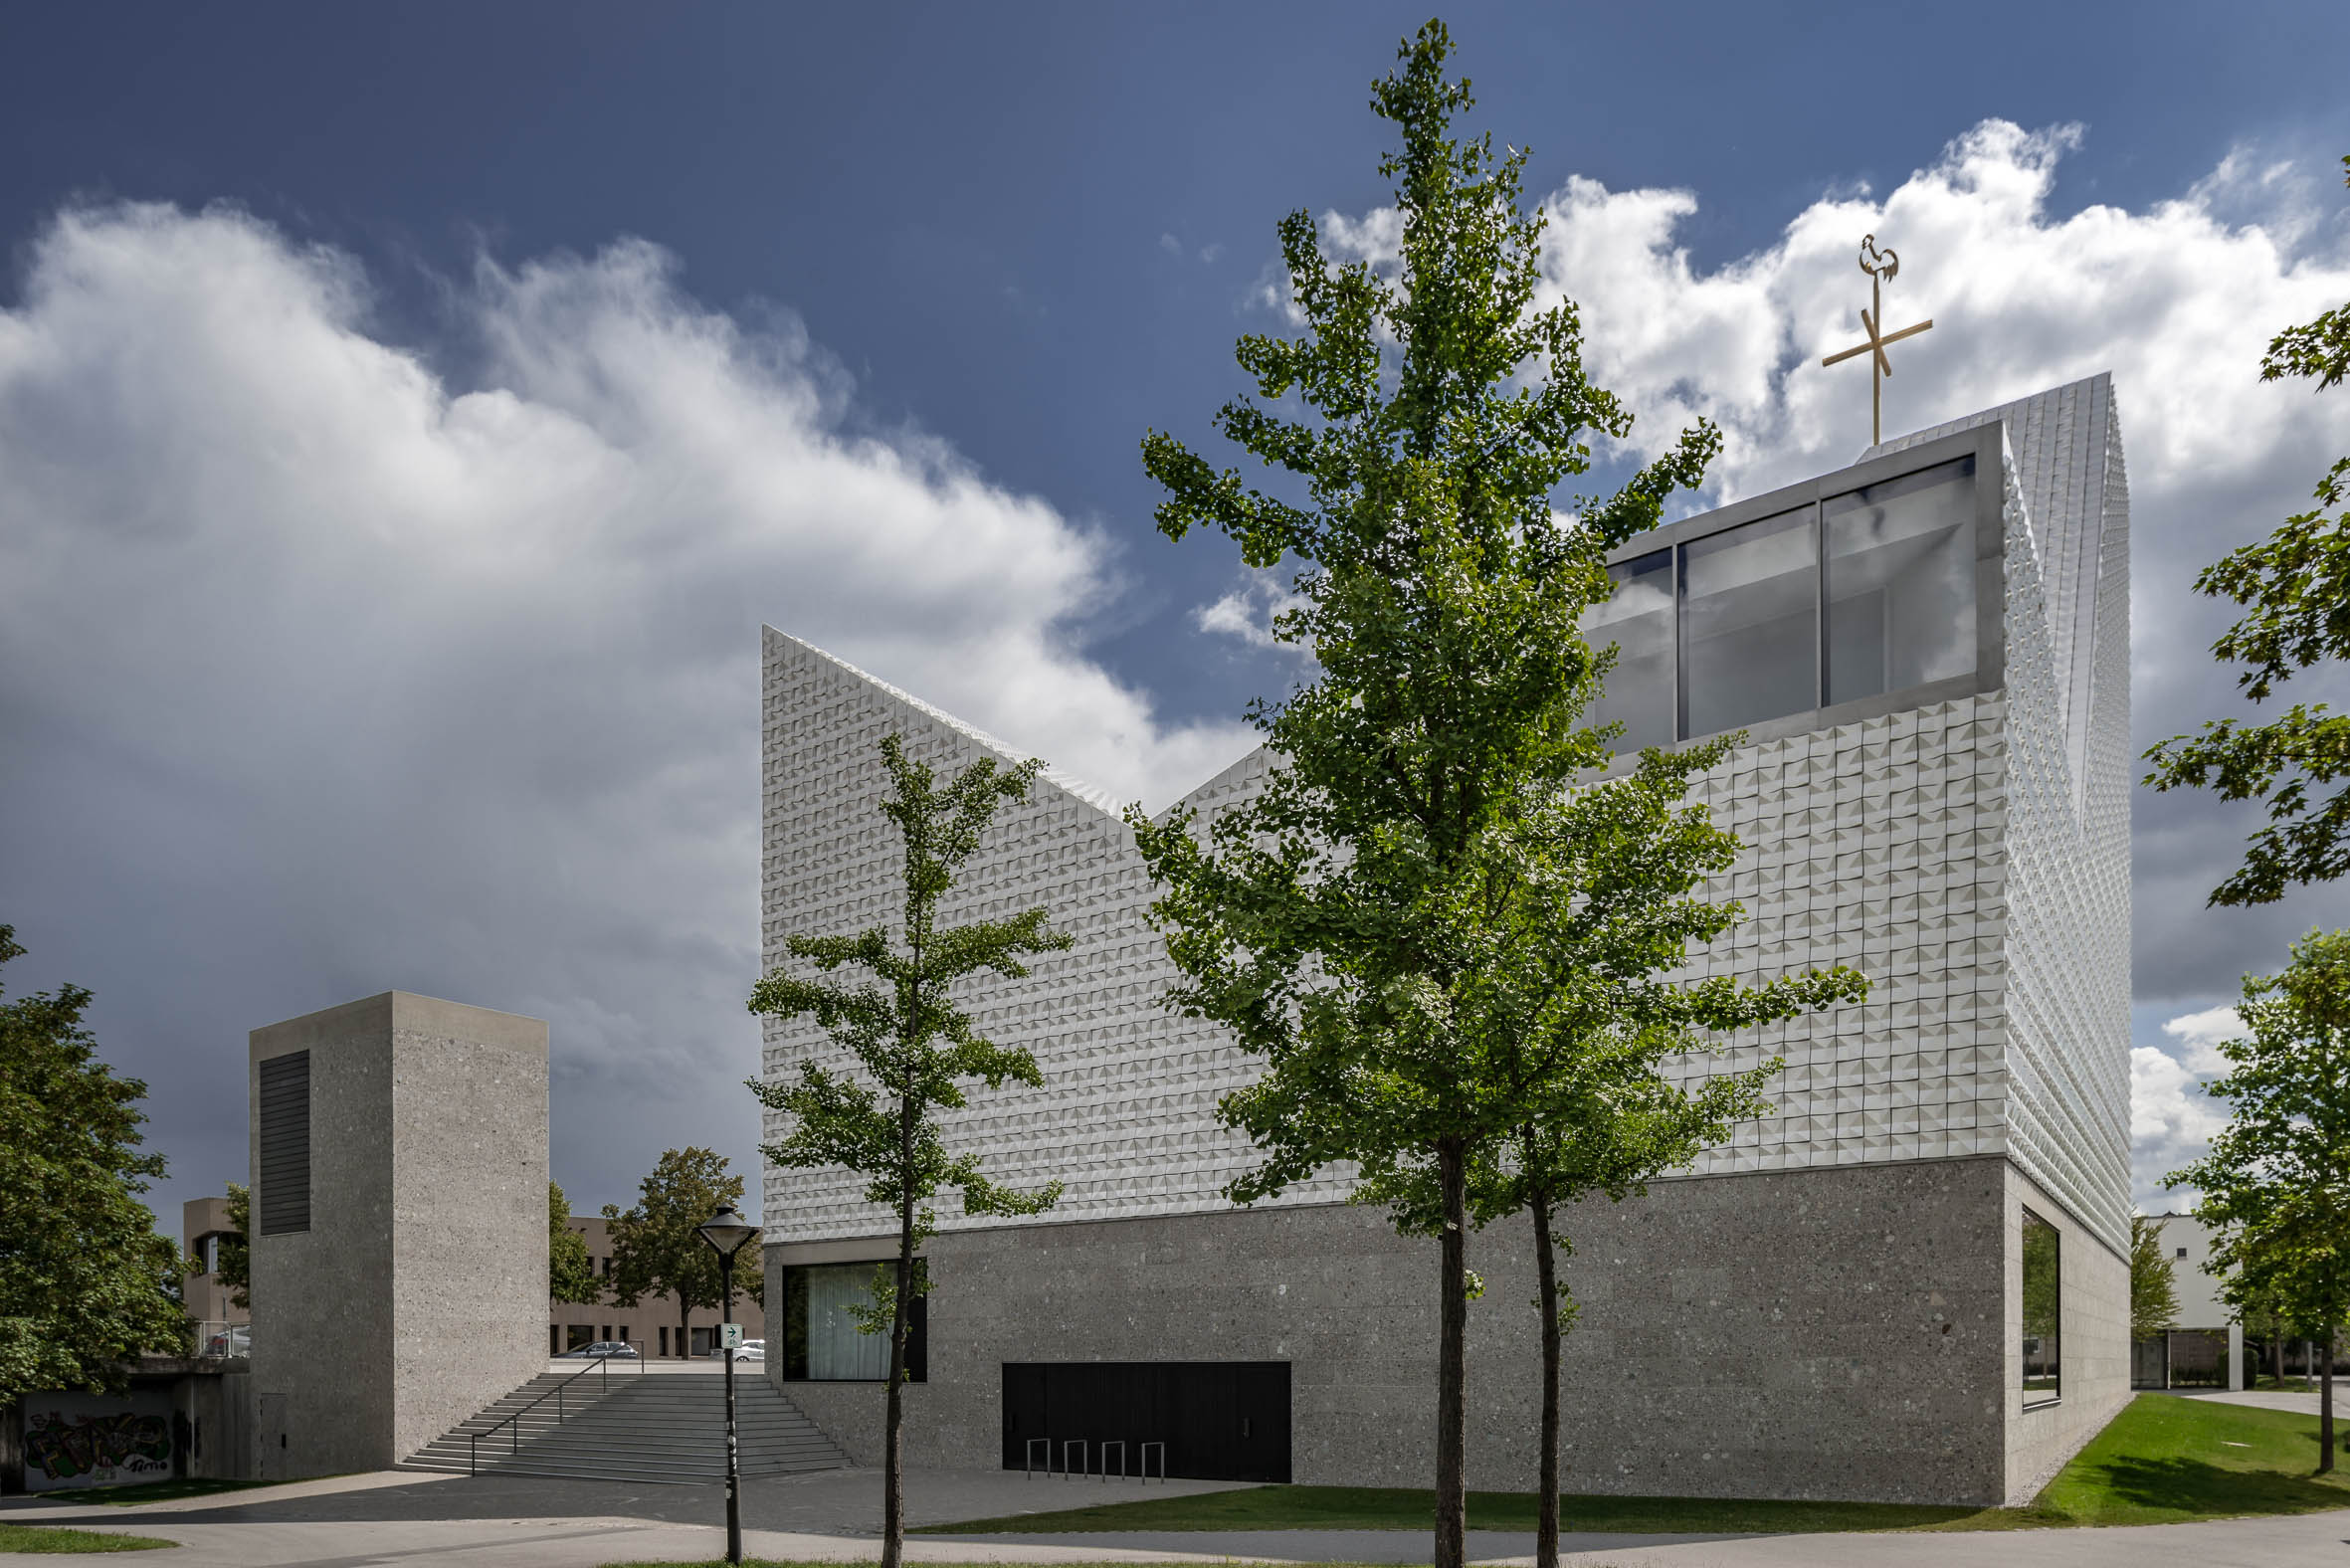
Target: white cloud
1246 612
2172 1121
2200 1033
321 673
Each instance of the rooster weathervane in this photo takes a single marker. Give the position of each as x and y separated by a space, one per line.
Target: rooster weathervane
1880 266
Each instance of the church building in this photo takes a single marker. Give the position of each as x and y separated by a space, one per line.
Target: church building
1908 1283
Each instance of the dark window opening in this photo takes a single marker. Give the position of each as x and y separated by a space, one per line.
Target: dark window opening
2043 1307
1219 1420
821 1340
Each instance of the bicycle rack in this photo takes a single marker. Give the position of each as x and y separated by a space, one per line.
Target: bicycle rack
1120 1445
1033 1444
1145 1458
1083 1466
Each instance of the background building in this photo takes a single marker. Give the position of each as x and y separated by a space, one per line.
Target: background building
204 1224
1911 1282
650 1326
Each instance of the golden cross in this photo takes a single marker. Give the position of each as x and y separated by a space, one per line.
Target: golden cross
1880 266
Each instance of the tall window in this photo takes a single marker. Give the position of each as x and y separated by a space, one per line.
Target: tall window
1750 624
1637 619
820 1339
2044 1305
1901 582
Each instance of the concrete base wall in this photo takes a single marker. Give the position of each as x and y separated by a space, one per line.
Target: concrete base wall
1839 1333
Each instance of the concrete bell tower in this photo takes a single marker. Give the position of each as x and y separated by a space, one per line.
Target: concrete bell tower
399 1246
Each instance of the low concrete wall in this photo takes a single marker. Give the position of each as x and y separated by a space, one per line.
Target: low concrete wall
1839 1333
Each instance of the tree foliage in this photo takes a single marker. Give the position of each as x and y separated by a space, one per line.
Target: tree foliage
2154 1287
657 1245
2294 589
86 1283
1390 923
571 1272
2275 1183
914 1047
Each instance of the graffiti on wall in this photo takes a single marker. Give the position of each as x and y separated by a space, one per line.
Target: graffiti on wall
107 1446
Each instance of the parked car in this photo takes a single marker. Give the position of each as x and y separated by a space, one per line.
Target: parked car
749 1350
602 1351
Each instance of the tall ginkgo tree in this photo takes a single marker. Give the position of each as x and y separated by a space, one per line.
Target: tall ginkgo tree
912 1047
1342 924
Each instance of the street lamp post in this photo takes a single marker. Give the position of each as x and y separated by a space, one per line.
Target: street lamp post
730 1233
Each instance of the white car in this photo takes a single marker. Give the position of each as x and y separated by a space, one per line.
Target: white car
752 1350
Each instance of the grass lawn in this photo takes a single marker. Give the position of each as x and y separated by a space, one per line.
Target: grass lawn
2165 1459
56 1538
2160 1462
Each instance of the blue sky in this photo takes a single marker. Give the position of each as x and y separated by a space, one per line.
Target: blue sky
332 337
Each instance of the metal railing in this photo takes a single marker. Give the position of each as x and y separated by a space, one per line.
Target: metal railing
216 1340
601 1366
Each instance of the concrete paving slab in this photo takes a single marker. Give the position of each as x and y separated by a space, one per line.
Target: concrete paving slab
2267 1399
535 1522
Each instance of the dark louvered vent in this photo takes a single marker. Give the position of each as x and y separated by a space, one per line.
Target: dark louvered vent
283 1200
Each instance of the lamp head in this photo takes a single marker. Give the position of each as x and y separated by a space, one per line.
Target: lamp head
727 1231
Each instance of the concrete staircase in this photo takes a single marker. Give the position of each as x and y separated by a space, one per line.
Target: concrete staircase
636 1428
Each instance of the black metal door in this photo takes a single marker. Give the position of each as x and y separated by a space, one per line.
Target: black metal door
1219 1420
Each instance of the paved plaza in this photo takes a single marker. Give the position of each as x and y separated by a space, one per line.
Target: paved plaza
532 1523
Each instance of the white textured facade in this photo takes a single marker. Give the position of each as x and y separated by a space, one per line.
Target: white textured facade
1963 842
1953 852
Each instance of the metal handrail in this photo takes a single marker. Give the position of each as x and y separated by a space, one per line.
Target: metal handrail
602 1364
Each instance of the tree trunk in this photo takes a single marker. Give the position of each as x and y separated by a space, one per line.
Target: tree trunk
894 1407
1546 1298
2325 1411
685 1320
1452 1398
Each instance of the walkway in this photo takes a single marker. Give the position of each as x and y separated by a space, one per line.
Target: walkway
535 1522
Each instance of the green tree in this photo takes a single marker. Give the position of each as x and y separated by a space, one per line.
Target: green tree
910 1041
86 1283
2154 1287
2275 1183
1425 424
1586 904
657 1245
2294 587
571 1274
